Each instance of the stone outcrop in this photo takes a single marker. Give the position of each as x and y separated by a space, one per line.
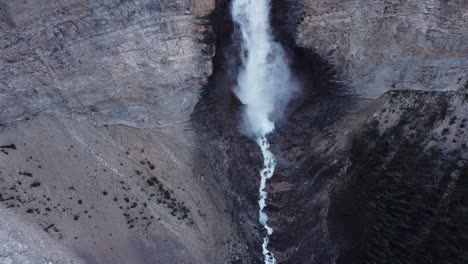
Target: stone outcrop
376 46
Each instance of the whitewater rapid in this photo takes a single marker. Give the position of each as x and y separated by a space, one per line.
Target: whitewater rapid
269 164
265 87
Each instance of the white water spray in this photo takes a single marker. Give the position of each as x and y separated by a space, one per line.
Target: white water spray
264 86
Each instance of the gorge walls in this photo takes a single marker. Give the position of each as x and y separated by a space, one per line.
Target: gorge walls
119 133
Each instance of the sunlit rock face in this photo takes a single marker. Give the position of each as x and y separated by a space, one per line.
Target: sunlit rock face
381 45
134 62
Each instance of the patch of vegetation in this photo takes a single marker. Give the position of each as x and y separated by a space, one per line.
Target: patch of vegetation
453 120
4 148
25 173
393 207
178 209
35 184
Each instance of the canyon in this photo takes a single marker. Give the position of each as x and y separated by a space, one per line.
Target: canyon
120 141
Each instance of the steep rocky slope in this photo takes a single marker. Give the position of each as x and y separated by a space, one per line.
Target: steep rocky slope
111 193
403 196
79 81
385 184
379 180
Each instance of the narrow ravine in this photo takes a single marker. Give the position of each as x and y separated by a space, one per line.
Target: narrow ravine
264 86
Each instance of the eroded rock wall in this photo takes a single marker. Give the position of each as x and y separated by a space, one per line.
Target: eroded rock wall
381 45
133 62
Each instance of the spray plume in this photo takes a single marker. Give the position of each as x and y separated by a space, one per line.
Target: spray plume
265 84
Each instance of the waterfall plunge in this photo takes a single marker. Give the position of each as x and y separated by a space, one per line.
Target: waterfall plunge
264 86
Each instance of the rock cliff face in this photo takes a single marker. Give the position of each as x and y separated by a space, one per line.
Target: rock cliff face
133 62
376 46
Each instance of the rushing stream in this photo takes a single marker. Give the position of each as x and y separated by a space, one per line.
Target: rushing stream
269 163
264 86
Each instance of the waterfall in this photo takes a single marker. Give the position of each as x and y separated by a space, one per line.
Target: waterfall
264 86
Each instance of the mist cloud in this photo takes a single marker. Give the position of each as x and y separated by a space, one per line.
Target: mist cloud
265 84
